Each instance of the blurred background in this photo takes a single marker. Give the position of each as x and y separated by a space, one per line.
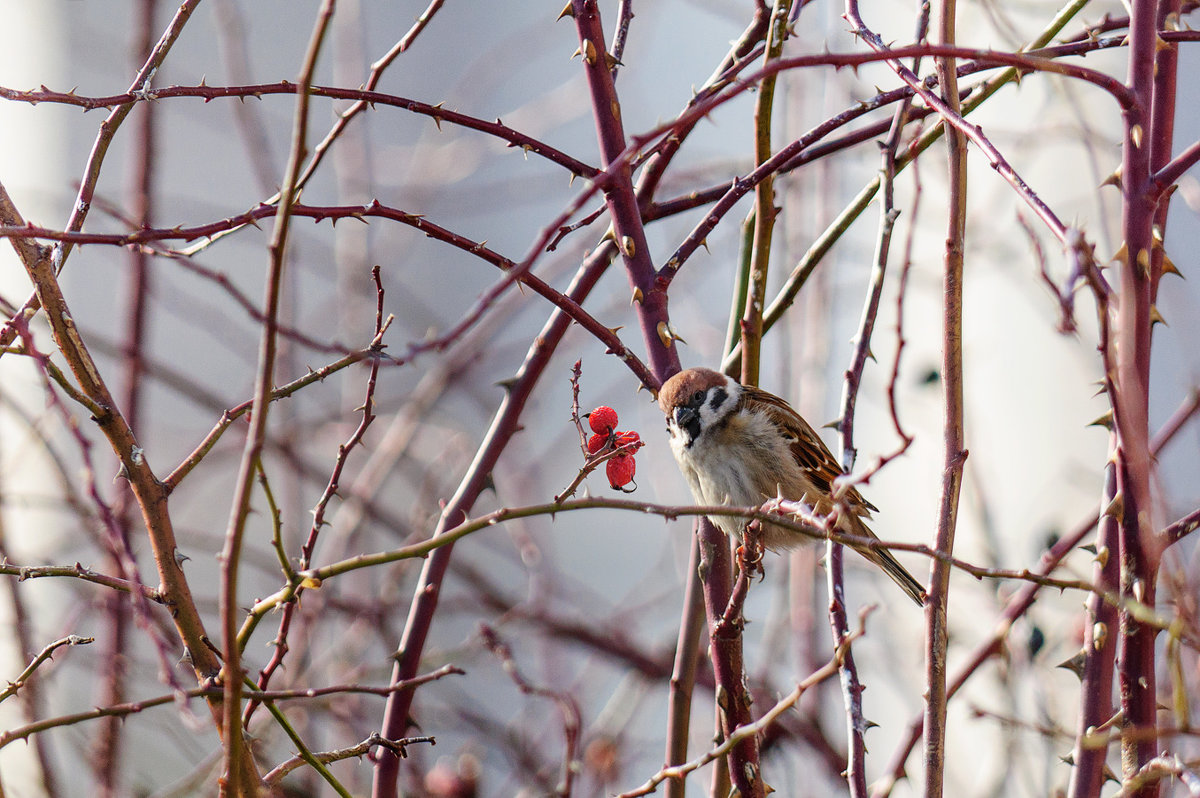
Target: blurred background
589 602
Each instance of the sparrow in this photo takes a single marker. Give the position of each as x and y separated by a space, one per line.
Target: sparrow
740 446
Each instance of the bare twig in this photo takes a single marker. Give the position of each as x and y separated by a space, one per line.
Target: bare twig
46 653
954 453
280 643
242 781
680 772
151 494
139 90
134 707
398 747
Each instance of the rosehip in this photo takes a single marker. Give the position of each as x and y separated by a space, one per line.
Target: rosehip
620 471
602 420
596 443
630 438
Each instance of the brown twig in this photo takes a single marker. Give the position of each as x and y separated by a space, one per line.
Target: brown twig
1019 603
513 272
1140 551
362 98
692 612
839 623
681 771
215 691
139 90
106 754
504 425
45 654
279 645
241 780
398 747
150 492
954 453
173 479
1099 650
77 571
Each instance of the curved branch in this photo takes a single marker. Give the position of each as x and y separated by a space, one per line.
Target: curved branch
362 97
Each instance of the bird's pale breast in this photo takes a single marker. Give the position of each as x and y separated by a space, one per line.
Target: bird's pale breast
743 463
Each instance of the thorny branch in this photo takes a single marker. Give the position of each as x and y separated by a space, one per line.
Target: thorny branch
631 172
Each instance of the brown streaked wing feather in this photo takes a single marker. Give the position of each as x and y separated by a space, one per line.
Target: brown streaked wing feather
810 451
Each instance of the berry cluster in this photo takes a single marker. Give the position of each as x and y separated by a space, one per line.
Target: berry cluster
607 438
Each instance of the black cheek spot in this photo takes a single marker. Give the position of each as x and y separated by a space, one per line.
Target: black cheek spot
718 398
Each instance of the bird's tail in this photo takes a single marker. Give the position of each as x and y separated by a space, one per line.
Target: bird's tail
887 561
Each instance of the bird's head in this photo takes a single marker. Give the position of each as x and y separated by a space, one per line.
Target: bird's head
696 400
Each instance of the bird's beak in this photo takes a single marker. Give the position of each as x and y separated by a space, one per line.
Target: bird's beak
687 420
684 416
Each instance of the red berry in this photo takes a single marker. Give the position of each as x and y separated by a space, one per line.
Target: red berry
596 443
630 438
602 420
620 471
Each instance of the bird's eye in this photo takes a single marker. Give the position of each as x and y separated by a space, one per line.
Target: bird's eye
698 397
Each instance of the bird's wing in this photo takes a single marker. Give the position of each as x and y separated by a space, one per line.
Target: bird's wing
809 451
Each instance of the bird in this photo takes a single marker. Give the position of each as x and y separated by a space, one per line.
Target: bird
741 446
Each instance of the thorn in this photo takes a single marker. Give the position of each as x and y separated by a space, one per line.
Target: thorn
1116 507
1122 255
1135 135
637 297
1114 179
567 11
1104 420
665 335
1156 317
1075 664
